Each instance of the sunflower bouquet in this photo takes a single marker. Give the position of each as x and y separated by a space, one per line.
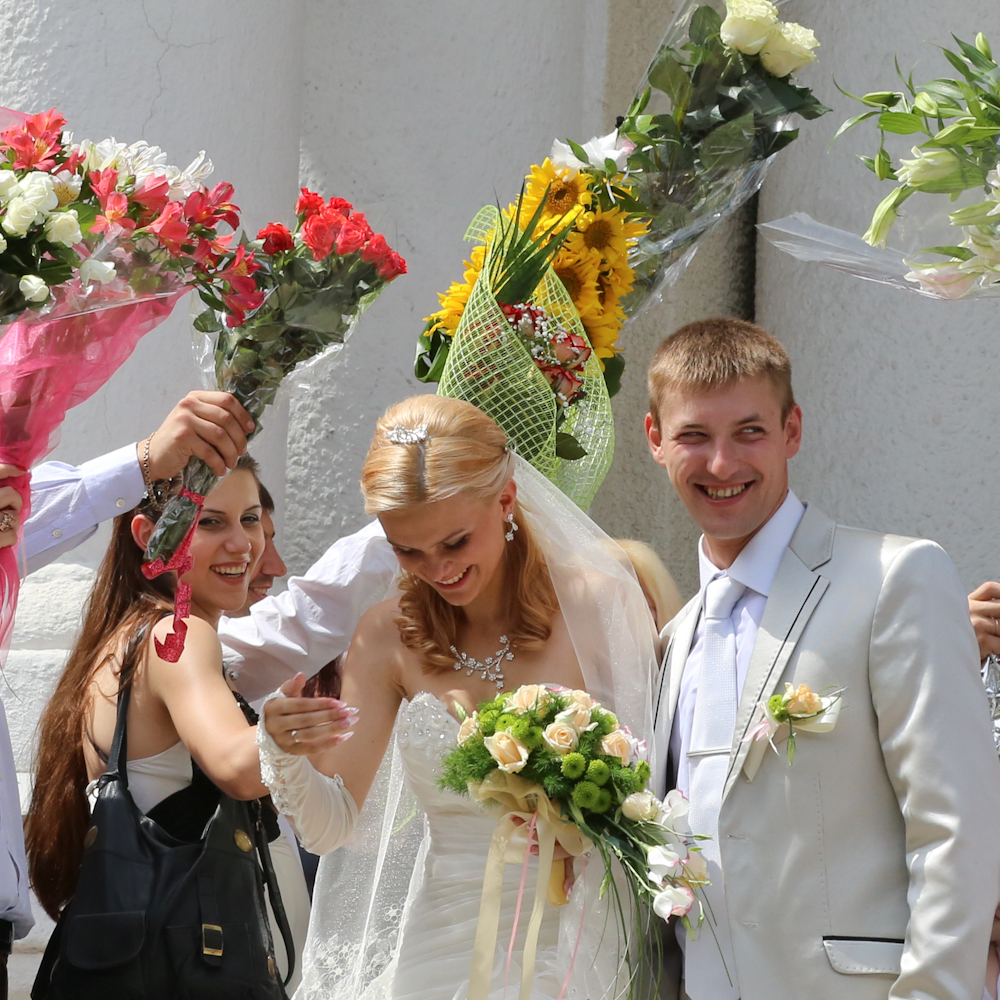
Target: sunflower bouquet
557 768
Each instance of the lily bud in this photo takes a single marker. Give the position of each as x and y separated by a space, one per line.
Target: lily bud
983 45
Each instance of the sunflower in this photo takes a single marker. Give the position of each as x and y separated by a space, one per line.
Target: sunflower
568 194
454 301
603 331
609 232
580 275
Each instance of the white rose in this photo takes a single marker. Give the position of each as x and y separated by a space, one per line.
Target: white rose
748 24
508 751
8 184
946 281
64 227
673 901
33 288
101 271
38 188
641 806
578 717
20 217
788 49
561 737
674 812
3 243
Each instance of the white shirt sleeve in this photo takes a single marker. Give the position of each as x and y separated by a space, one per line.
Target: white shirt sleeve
68 503
15 904
311 623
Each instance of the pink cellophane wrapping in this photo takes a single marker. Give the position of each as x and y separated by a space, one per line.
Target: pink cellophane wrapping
48 365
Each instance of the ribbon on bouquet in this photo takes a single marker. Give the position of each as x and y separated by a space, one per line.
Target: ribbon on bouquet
527 814
180 562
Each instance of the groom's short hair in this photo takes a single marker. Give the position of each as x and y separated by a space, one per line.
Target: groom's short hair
713 353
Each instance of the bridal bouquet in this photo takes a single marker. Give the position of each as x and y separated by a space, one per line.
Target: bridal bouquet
558 768
713 109
275 304
951 174
97 243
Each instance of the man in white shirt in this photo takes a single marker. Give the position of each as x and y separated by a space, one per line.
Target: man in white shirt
868 868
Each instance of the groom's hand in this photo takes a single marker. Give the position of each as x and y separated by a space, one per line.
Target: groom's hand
984 610
306 726
10 507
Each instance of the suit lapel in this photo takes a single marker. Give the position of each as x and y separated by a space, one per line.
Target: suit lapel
795 593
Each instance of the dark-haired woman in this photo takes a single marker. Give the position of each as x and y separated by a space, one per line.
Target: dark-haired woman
179 712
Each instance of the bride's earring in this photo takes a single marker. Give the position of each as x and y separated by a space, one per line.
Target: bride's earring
512 527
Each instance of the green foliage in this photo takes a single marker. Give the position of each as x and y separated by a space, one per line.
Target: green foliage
642 772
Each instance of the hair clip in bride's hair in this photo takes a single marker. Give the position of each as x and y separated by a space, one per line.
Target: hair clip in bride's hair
407 435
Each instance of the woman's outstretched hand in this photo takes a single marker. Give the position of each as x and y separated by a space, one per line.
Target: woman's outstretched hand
306 726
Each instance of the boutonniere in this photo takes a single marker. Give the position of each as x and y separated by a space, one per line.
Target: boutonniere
800 710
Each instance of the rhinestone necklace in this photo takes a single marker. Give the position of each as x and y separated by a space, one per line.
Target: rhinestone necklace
491 669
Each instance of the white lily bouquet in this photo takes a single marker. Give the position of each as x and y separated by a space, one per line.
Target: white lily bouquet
949 183
557 768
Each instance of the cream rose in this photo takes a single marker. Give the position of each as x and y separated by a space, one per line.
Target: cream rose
64 227
33 288
527 697
39 189
561 737
641 806
469 727
748 24
617 744
578 717
803 701
509 752
788 48
20 216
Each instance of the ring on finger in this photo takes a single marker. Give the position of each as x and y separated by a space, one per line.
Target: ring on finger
295 736
7 520
996 627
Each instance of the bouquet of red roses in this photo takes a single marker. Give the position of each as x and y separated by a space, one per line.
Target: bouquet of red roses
276 303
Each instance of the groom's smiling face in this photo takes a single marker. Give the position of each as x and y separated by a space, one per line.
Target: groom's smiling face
726 452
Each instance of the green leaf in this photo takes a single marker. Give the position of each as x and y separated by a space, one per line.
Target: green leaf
729 144
851 122
960 253
578 151
959 135
432 353
569 448
900 123
959 64
947 90
868 162
883 166
207 322
614 369
974 56
705 25
670 77
926 105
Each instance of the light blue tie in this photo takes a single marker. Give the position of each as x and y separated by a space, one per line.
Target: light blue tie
709 968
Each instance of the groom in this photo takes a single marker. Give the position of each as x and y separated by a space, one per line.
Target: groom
869 868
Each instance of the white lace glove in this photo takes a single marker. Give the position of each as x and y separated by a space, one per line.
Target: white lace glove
321 810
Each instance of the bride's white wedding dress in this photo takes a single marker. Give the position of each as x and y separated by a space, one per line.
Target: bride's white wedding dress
396 908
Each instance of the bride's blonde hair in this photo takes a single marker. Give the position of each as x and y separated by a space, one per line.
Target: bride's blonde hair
430 448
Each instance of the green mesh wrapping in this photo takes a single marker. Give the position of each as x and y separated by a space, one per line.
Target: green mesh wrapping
489 367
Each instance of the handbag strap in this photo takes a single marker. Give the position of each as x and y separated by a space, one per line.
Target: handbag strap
117 766
274 892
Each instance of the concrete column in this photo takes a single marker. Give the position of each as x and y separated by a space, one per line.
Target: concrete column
899 391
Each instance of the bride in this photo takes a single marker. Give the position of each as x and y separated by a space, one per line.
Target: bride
503 582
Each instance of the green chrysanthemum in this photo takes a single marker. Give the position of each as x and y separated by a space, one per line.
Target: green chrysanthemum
586 795
598 772
573 765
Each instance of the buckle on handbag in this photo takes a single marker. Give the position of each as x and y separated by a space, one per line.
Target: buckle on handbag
211 940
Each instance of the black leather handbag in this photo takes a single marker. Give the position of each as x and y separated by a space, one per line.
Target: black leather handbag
158 917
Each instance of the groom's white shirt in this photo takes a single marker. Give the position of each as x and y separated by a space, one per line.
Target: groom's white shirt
755 567
869 868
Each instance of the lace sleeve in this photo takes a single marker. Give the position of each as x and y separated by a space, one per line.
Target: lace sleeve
321 810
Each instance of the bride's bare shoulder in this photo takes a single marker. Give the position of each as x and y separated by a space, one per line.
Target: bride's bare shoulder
377 631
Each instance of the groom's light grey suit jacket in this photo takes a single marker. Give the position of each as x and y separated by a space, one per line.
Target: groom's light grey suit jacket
871 867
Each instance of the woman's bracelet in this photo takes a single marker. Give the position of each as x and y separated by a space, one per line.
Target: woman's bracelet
146 478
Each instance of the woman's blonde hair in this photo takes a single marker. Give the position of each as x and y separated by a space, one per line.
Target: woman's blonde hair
430 448
654 578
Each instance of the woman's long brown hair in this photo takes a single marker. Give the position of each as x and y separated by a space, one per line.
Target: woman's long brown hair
122 602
